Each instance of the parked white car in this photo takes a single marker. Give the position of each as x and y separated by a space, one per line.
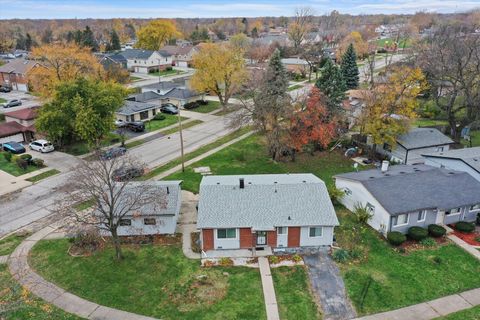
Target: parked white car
41 146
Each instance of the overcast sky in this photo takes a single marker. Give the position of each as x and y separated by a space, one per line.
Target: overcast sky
215 8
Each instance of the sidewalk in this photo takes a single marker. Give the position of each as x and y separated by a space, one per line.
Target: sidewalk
465 246
268 289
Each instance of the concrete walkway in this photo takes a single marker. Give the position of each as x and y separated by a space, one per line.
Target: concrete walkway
21 271
187 223
432 309
465 246
268 290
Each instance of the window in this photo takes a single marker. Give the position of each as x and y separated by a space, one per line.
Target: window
226 233
475 207
144 115
149 221
282 230
370 207
347 191
154 111
315 232
439 149
400 220
125 222
421 215
453 211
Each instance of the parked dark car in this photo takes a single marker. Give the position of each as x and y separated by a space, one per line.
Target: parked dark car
125 174
169 108
113 153
12 103
13 147
136 126
5 89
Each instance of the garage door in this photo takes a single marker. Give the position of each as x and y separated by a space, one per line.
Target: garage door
16 137
182 64
22 87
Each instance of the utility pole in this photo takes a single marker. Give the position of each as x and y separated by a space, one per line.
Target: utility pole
181 139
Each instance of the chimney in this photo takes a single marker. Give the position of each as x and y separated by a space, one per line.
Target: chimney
385 165
168 190
242 183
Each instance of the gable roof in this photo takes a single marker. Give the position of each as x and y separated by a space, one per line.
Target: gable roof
19 66
408 188
145 96
181 93
266 202
132 107
470 156
162 86
423 137
12 127
23 114
178 50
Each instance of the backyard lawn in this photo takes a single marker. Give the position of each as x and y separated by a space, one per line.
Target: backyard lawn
293 297
423 122
153 280
169 120
13 169
249 156
209 107
475 137
405 278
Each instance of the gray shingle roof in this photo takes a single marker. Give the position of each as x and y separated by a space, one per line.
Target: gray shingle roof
181 93
145 96
162 86
267 201
471 156
132 107
406 188
422 138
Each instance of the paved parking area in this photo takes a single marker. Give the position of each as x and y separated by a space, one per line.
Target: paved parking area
28 100
57 160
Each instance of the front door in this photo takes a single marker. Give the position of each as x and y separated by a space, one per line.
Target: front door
261 238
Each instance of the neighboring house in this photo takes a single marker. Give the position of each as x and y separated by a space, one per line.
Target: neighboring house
182 55
18 125
153 218
354 105
146 61
281 39
466 160
182 96
137 111
411 145
265 211
15 73
164 86
405 196
113 60
295 65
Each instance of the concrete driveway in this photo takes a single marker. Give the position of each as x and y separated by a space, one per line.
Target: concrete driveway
27 100
57 160
328 286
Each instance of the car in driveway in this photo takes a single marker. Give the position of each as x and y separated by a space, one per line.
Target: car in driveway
13 147
12 103
113 153
119 123
41 145
5 88
135 126
127 173
169 108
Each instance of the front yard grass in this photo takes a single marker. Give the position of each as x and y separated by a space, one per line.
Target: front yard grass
23 305
8 244
170 119
293 295
166 72
249 156
43 175
387 279
468 314
13 169
209 107
153 280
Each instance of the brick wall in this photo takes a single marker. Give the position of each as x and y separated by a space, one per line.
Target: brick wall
272 238
246 238
207 241
293 237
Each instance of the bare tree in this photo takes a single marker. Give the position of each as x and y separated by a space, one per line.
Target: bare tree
312 53
300 25
107 184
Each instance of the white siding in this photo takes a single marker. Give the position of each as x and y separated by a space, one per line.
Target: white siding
452 164
325 240
233 243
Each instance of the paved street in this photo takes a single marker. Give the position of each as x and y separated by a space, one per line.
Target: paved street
27 100
150 79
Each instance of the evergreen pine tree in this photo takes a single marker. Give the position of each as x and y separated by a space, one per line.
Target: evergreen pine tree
88 39
115 41
28 42
349 67
332 85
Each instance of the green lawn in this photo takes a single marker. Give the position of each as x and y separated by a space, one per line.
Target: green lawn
2 100
475 137
43 175
422 122
184 126
295 87
211 106
249 156
407 278
153 280
8 244
468 314
13 169
133 79
79 148
403 42
23 305
293 296
166 72
170 119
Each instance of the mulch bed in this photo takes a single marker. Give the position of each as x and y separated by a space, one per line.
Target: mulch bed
412 245
468 237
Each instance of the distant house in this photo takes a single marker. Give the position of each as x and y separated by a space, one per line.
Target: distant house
265 211
405 196
354 104
295 65
137 111
155 218
146 61
113 60
182 55
411 145
466 160
15 73
18 125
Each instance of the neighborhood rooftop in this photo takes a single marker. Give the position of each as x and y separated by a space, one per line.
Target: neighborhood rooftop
265 201
131 107
471 156
423 137
408 188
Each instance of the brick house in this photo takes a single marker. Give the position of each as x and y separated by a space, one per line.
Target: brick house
265 211
15 73
18 125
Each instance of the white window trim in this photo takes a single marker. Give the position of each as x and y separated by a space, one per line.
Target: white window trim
221 239
347 191
321 232
282 234
456 213
473 210
403 224
424 213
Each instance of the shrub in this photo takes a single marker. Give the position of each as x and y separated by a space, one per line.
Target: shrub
87 240
159 116
169 68
341 255
195 242
428 242
7 156
191 105
436 231
396 238
417 233
202 102
297 258
22 163
38 162
362 213
26 156
336 194
273 259
225 262
464 226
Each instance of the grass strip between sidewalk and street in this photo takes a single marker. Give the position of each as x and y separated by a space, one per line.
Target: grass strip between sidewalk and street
43 175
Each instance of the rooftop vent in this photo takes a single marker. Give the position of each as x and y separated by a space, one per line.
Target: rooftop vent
371 177
242 183
168 190
451 172
402 172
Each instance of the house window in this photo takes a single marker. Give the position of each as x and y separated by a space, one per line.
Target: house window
315 232
370 207
439 149
282 230
149 221
132 118
226 233
421 215
347 191
387 147
400 220
154 112
125 222
475 207
144 115
453 211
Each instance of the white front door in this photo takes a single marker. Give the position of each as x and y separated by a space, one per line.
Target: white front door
440 218
282 237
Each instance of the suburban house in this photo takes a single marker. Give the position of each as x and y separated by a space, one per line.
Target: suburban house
411 145
153 218
265 211
15 73
466 160
18 125
113 60
295 65
174 92
404 196
137 111
182 55
146 61
354 104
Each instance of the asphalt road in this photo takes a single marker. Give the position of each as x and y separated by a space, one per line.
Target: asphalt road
27 100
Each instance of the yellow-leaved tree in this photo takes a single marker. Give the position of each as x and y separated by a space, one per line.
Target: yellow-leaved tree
156 34
220 70
359 44
390 107
62 62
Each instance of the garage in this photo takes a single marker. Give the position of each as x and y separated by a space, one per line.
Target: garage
182 64
22 87
16 137
14 131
